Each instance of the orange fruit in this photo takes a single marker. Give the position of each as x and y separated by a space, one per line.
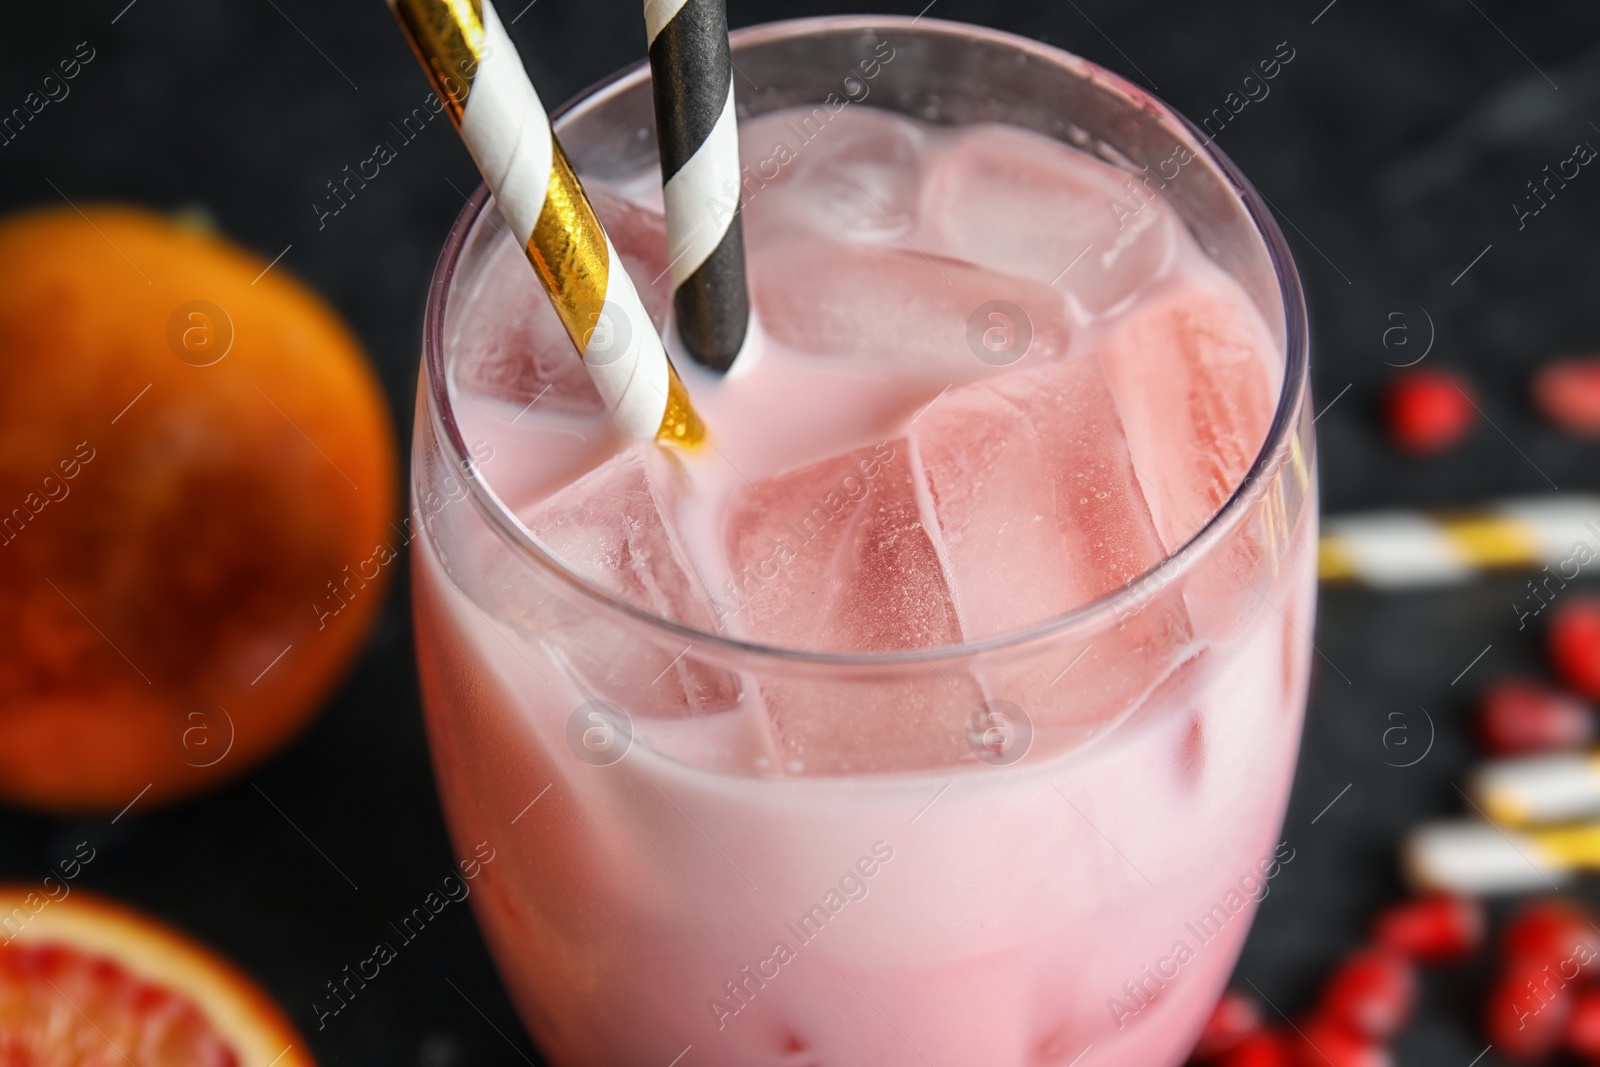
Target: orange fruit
84 982
197 478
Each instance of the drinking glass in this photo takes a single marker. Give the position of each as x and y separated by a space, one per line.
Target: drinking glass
1058 836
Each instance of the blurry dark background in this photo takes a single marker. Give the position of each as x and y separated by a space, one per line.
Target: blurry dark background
1393 147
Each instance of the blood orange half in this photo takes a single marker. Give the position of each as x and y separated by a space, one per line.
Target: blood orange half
88 983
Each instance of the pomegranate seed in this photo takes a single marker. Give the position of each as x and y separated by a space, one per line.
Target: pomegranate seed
1515 717
1427 411
1433 928
1583 1027
1235 1017
1567 392
1527 1011
1553 930
1322 1042
1575 645
1371 993
1262 1048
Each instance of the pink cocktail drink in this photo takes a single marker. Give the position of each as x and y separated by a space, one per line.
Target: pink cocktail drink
944 709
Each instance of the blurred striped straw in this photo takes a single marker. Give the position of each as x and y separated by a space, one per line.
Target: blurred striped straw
478 75
1476 857
1411 549
1530 790
1540 829
692 74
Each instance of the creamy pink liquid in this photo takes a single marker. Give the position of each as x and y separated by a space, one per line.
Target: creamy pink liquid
821 868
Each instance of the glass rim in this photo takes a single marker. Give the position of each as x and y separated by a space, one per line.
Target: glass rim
1274 452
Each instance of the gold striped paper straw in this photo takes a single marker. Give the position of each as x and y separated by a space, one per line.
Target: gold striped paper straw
1530 790
1410 549
1476 857
478 75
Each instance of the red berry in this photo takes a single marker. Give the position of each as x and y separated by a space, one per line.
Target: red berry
1583 1026
1235 1017
1553 930
1567 392
1575 645
1432 928
1515 717
1429 410
1323 1042
1527 1011
1259 1049
1371 993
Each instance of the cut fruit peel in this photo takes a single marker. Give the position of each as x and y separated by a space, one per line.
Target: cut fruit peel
202 1010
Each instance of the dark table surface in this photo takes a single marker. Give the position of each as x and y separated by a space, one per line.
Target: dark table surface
1392 147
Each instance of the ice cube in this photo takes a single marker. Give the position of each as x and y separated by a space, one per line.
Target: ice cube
829 722
1195 377
507 341
995 502
1038 506
927 316
1036 510
610 527
1039 511
1195 380
1018 202
852 173
836 556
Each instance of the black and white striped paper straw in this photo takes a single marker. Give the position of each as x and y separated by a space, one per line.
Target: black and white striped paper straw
692 72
